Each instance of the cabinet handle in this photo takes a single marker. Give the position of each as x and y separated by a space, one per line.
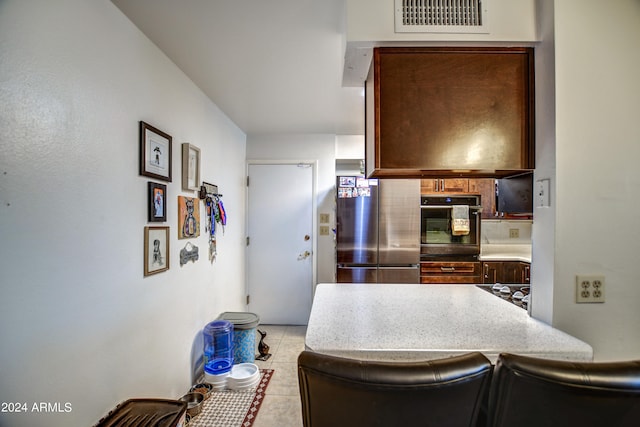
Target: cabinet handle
448 269
435 185
442 185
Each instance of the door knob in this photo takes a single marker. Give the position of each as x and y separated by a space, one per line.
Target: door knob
306 237
304 255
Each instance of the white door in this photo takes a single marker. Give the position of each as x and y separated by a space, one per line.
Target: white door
280 251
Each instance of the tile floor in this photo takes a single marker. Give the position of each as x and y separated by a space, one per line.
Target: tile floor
281 405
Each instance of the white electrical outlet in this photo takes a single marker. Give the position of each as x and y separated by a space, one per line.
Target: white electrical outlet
589 289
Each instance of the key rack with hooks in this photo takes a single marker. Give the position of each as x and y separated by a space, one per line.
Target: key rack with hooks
215 212
208 191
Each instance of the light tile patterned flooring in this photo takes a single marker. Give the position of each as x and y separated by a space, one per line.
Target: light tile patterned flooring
281 406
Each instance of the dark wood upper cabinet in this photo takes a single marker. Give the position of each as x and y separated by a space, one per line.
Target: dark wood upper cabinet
450 112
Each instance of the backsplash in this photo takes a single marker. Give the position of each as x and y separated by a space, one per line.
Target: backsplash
499 231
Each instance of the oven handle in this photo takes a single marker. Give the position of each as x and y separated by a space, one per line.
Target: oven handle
475 208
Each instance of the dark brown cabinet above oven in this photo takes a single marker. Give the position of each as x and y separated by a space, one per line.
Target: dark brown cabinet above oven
447 112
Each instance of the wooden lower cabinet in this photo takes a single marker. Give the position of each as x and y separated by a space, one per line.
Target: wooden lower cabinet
506 272
437 272
491 271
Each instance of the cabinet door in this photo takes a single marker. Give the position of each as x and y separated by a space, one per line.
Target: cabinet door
491 272
511 272
486 188
444 185
506 272
429 186
515 272
526 273
454 185
426 106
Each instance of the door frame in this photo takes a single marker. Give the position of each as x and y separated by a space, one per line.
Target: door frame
314 216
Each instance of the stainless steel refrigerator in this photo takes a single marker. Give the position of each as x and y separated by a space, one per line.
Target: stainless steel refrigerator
378 230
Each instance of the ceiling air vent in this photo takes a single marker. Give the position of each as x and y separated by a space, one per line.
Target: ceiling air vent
441 16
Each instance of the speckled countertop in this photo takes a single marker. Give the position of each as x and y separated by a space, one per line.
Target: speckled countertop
505 252
410 322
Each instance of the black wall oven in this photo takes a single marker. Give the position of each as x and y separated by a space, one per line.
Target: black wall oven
437 239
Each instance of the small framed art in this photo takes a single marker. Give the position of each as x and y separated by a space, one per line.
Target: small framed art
156 250
157 201
155 153
190 167
188 217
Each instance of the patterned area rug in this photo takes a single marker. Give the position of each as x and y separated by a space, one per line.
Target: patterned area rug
233 408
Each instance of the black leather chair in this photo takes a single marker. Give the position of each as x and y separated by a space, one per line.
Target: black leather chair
338 391
528 391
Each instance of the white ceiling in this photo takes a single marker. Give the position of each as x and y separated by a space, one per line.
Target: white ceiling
273 66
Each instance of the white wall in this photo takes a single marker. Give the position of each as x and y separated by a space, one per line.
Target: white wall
79 322
371 23
320 147
544 225
598 180
350 147
373 20
496 231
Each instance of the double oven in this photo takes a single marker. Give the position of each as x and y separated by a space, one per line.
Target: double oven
438 242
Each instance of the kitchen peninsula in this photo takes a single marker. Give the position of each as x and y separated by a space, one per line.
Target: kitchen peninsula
410 322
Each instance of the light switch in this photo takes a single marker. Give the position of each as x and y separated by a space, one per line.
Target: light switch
542 193
324 218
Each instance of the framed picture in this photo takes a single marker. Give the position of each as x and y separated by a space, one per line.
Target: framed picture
188 217
155 153
190 167
156 250
157 202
